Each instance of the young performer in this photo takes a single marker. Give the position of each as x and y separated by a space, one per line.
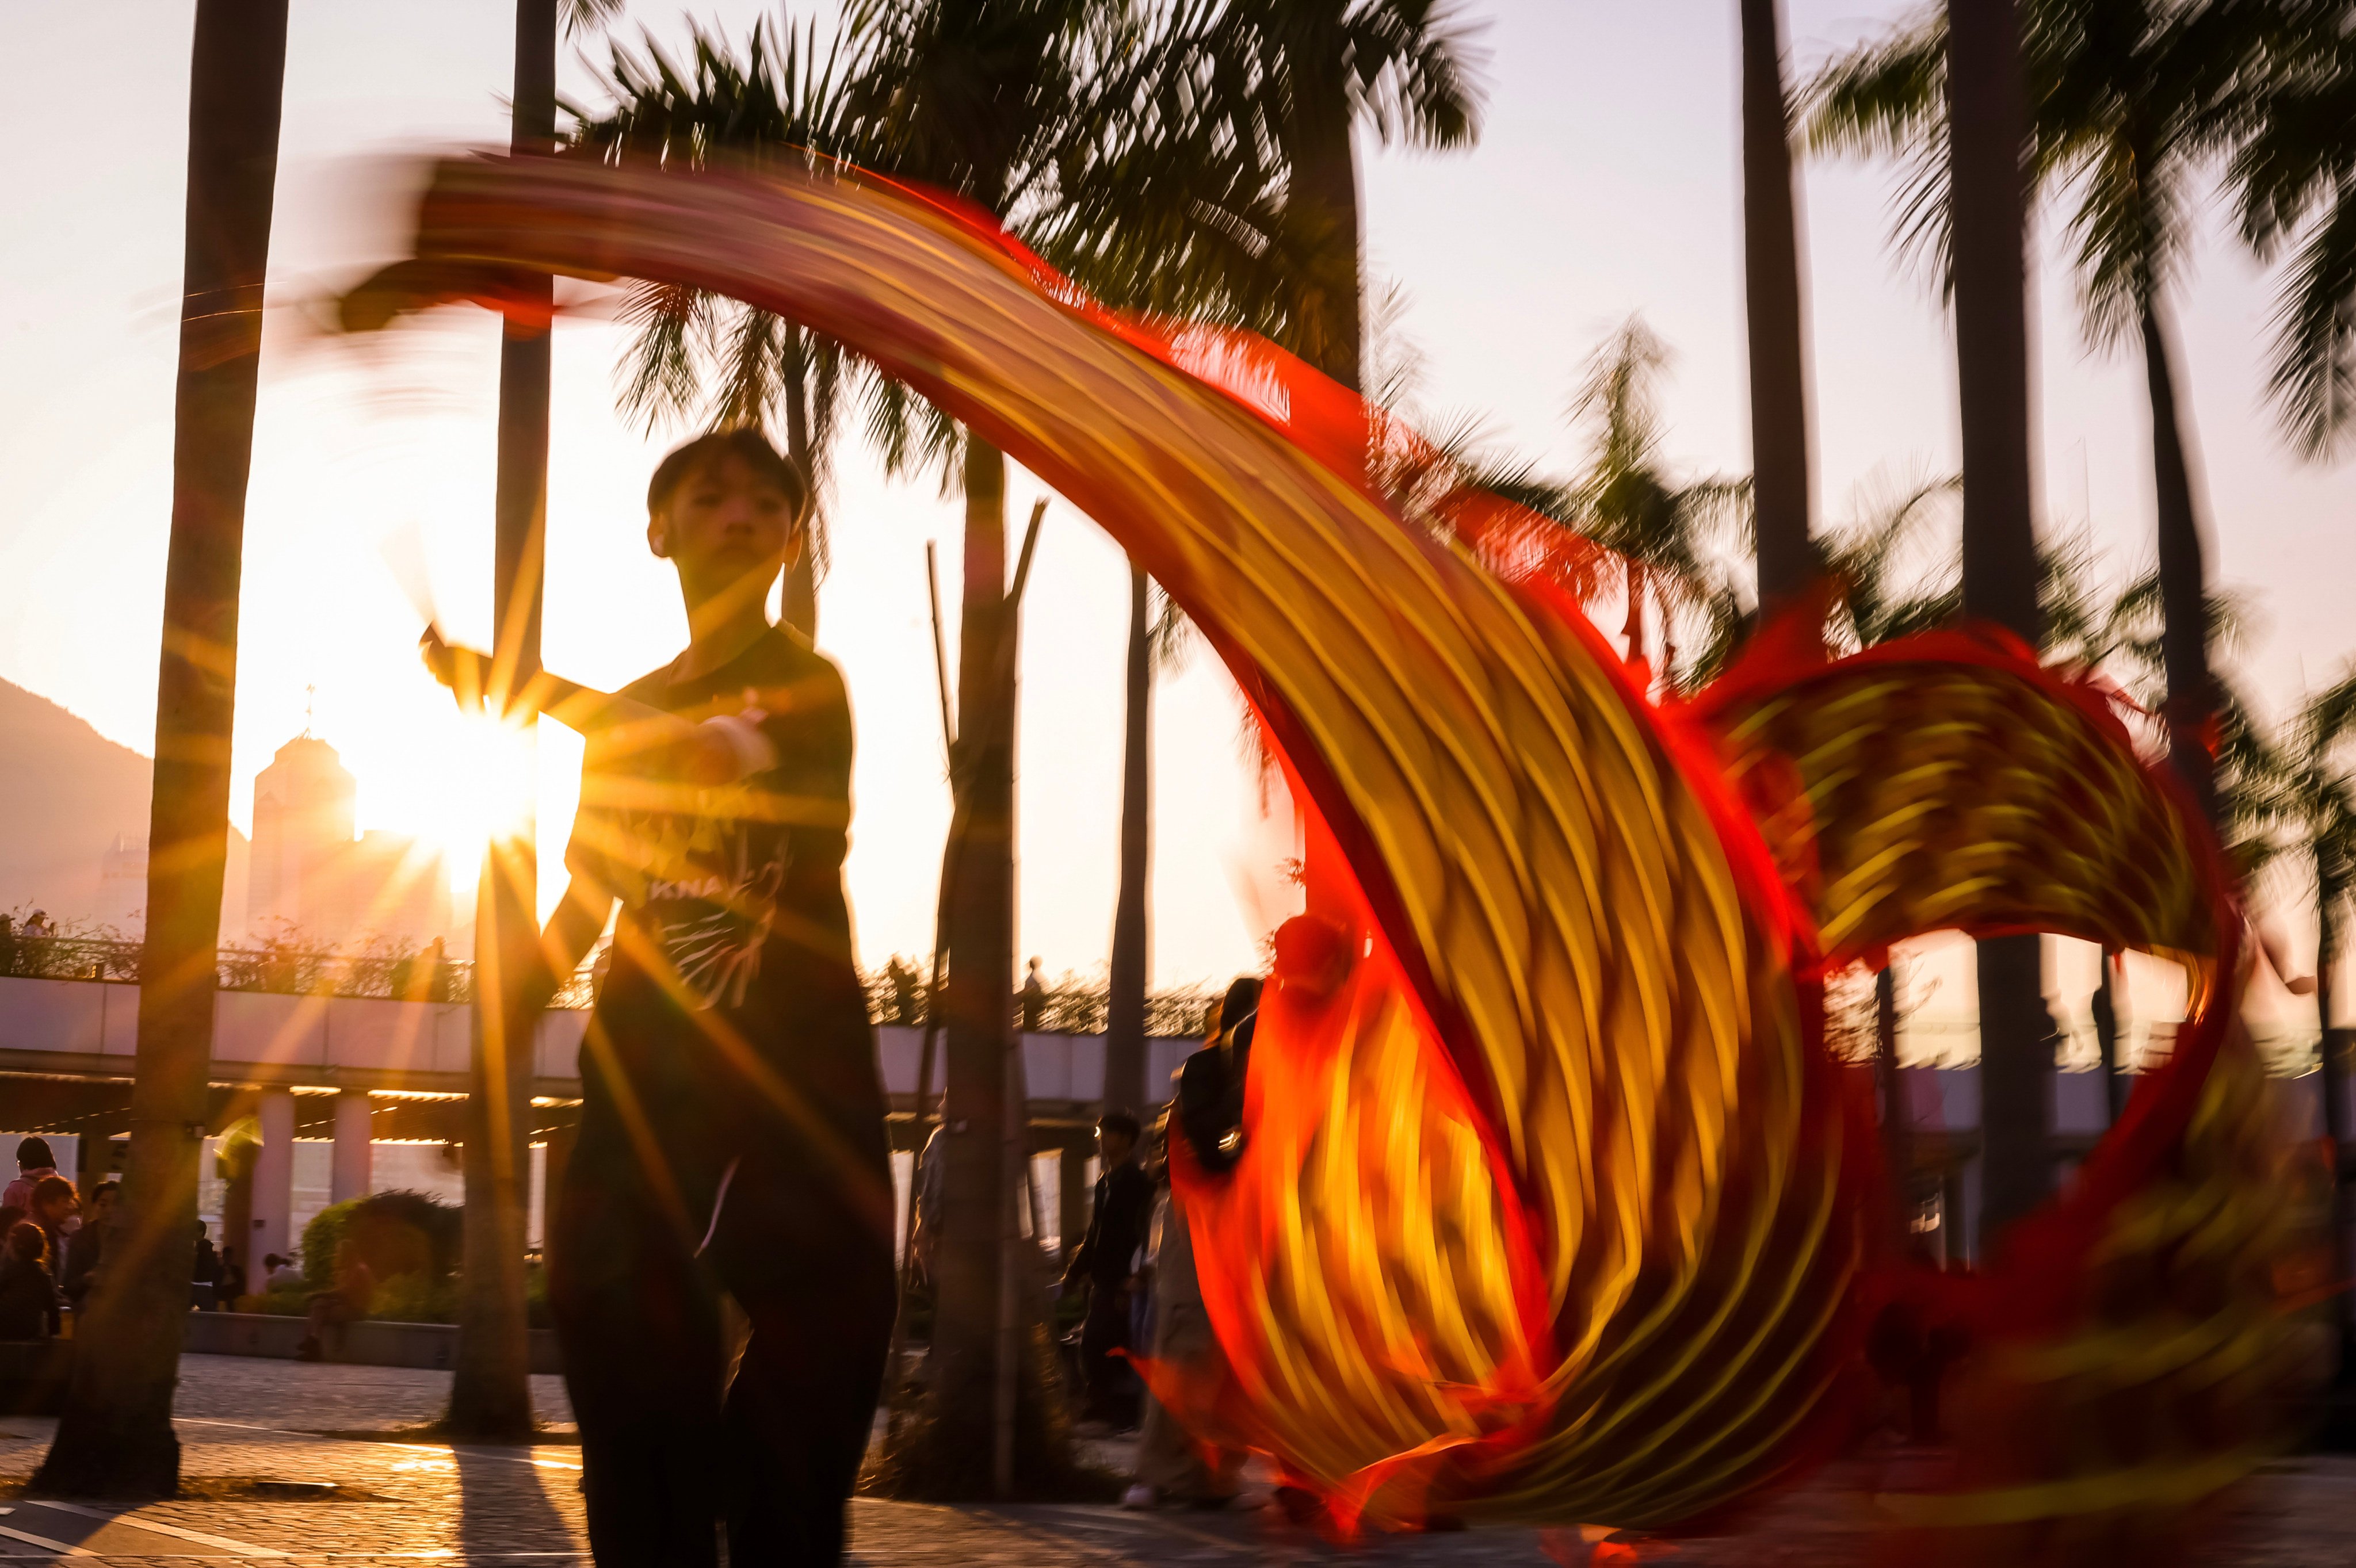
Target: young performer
731 1129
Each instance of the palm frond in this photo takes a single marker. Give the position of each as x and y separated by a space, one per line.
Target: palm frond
2312 381
1172 636
661 380
1416 69
578 16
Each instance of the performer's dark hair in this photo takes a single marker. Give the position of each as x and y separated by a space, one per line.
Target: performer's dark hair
34 1153
745 443
1120 1122
1241 1001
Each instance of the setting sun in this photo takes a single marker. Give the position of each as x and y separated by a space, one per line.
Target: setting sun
485 785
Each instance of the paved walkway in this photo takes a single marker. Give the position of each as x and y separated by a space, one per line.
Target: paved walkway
251 1428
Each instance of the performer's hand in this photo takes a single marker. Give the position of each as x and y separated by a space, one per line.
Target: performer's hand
461 669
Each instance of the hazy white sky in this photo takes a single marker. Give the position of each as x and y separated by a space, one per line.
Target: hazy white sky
1604 184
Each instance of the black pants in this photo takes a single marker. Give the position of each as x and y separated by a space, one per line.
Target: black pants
1111 1386
801 1240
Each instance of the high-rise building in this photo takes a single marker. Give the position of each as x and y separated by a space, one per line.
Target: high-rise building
123 883
313 873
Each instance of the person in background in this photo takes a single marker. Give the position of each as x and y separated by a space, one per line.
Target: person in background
85 1249
282 1272
1210 1103
1034 999
207 1272
30 1307
907 989
34 1161
1172 1467
925 1203
57 1210
1106 1259
7 946
429 974
347 1303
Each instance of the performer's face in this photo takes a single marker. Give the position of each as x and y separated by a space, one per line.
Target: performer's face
727 530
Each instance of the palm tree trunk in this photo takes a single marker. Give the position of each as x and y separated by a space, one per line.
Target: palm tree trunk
1897 1130
2107 1040
1987 128
2332 1081
1325 184
1632 628
2183 581
977 1004
490 1386
799 604
1124 1086
1770 275
115 1436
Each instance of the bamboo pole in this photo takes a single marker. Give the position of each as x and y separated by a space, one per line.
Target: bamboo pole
926 1057
1011 1228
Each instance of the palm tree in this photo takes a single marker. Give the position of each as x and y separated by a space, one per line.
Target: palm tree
699 354
1874 605
1060 117
490 1386
116 1437
2312 797
1288 82
1624 501
1258 105
2127 99
1771 276
2294 168
1987 130
1156 640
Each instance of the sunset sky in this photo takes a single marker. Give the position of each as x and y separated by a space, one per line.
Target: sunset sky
1604 184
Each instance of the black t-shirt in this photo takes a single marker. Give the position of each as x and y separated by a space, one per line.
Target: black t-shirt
730 983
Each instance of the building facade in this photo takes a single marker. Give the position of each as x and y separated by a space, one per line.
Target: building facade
314 877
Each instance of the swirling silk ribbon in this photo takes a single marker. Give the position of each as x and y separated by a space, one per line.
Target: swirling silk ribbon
1552 1206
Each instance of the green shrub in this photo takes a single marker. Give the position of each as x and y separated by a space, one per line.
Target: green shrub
395 1233
415 1298
322 1238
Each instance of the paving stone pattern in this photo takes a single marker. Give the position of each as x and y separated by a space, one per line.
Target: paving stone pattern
245 1419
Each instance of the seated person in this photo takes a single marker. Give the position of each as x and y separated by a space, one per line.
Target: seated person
347 1303
30 1307
57 1210
34 1161
282 1274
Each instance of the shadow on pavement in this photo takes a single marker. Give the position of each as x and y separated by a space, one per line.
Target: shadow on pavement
504 1506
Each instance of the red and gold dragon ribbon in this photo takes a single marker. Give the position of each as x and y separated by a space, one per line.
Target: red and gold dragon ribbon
1553 1206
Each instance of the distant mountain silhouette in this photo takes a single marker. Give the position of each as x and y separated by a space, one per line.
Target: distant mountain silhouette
67 792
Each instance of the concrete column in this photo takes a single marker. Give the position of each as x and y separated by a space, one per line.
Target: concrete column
273 1180
92 1166
349 1170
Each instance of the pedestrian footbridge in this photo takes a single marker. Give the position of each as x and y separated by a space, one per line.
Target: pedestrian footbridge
372 1077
